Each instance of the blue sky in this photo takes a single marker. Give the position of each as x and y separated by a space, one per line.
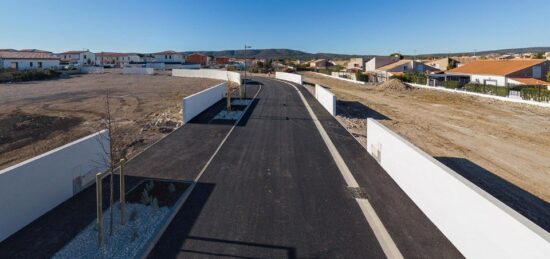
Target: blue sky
348 27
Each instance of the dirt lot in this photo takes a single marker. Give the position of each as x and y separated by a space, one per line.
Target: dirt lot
41 115
477 137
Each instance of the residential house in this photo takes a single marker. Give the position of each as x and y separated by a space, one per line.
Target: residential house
23 60
355 64
221 60
443 64
197 58
169 56
504 72
374 63
77 57
405 65
112 59
320 63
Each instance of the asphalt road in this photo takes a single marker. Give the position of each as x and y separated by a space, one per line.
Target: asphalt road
274 191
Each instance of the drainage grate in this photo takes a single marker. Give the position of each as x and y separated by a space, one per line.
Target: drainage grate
357 192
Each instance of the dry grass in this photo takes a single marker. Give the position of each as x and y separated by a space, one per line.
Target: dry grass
510 140
137 101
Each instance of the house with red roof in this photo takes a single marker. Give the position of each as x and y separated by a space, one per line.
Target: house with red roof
23 60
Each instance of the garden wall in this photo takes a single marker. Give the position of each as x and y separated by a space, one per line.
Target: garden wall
35 186
341 78
479 225
209 73
194 104
92 70
326 98
506 99
289 77
138 71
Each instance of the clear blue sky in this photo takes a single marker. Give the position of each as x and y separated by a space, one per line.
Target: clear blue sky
348 27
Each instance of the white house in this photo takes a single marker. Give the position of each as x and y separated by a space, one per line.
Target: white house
78 57
22 60
355 64
169 56
378 62
504 72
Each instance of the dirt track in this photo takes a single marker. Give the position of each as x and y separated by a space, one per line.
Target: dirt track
477 137
41 115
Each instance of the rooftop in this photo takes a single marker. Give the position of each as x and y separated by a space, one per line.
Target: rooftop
531 81
496 67
26 55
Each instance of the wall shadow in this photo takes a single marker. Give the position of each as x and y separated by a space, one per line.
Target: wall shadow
49 233
357 110
525 203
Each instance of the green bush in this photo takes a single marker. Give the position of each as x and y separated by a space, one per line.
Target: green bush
412 77
488 89
535 93
451 84
359 76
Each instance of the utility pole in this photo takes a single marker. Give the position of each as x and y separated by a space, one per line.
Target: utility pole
245 47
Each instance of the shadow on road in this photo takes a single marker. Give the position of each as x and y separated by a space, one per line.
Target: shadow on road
530 206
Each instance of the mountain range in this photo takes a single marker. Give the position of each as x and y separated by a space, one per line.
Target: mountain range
296 54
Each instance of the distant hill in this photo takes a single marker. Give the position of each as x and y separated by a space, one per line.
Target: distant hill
487 52
274 54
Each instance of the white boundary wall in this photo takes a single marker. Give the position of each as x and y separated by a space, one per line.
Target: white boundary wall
138 71
326 98
340 78
92 70
289 77
506 99
479 225
194 104
35 186
208 73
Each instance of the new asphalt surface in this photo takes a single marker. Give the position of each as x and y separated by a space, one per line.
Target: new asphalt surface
272 191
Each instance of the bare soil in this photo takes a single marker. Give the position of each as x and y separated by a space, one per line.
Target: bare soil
484 140
38 116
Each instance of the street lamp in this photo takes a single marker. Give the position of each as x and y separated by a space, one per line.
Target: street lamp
244 87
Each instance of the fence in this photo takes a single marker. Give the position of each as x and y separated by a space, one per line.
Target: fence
92 70
477 224
289 77
512 97
35 186
194 104
326 98
209 73
138 71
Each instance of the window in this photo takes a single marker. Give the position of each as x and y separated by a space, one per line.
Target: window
31 64
39 64
165 56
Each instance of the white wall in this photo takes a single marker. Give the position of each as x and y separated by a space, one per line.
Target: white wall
208 73
35 186
194 104
156 65
326 98
500 80
341 78
138 71
289 77
92 70
24 64
477 224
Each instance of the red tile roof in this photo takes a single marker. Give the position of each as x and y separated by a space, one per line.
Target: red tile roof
26 55
167 52
111 54
496 67
74 52
530 81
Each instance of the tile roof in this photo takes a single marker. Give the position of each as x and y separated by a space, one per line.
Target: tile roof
75 52
495 67
110 54
167 52
394 64
26 55
530 81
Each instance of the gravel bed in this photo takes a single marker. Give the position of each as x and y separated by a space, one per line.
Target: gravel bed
126 242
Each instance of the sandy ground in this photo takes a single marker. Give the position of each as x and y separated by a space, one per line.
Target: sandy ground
477 137
38 116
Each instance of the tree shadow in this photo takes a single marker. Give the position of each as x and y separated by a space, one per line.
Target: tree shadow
525 203
357 110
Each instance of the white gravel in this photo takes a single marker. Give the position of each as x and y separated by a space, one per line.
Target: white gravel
120 244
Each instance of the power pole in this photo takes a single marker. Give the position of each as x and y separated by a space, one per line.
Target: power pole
245 47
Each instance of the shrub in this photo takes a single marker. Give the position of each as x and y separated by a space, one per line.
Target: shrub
451 84
535 93
412 77
11 75
359 76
